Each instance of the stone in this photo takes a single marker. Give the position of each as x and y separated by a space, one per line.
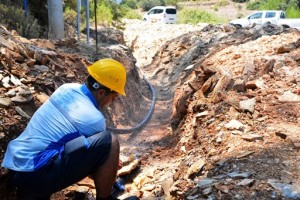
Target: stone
288 96
246 182
5 102
239 85
21 112
11 93
234 124
289 191
128 168
15 80
251 85
255 84
239 175
244 154
252 137
296 145
206 182
267 67
248 105
5 82
24 91
141 180
158 191
88 182
248 71
42 68
223 188
42 97
149 187
127 159
195 168
202 114
82 189
21 99
7 43
281 134
189 67
207 191
206 85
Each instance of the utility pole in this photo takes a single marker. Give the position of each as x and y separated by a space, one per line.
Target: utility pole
86 4
56 19
88 22
96 29
78 19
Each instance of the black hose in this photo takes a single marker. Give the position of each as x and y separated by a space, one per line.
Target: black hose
146 119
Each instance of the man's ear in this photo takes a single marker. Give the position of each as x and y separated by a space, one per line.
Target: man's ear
102 92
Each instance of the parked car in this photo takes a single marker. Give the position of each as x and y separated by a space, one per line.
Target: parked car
166 14
277 17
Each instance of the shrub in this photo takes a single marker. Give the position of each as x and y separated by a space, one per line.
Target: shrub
273 5
146 5
240 1
254 5
216 7
171 2
14 18
130 3
108 12
104 15
70 21
222 3
239 15
70 5
131 14
293 12
194 16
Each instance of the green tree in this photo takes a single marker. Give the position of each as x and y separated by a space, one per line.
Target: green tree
148 4
171 2
12 16
133 4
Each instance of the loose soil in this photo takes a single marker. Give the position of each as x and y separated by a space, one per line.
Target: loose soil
200 74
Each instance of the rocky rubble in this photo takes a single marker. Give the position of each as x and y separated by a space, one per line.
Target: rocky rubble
230 98
31 70
235 112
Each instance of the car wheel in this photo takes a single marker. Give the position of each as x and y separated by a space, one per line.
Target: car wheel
237 25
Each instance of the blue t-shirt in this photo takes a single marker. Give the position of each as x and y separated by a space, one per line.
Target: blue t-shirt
70 112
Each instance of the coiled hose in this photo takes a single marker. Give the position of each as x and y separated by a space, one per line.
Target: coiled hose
146 119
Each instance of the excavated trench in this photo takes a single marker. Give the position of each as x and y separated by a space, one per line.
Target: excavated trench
200 76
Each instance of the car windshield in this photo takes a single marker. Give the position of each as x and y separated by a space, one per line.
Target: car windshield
256 16
171 11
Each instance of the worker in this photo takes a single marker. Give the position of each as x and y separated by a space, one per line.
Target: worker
66 139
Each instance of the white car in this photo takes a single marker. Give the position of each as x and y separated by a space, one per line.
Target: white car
166 14
276 17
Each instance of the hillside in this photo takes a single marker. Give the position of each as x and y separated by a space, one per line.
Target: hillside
226 122
229 10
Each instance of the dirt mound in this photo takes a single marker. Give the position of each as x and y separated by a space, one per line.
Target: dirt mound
235 113
31 70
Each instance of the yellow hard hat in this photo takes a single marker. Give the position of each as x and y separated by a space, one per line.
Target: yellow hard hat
109 73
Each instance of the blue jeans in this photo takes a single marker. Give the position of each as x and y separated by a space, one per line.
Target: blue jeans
76 163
